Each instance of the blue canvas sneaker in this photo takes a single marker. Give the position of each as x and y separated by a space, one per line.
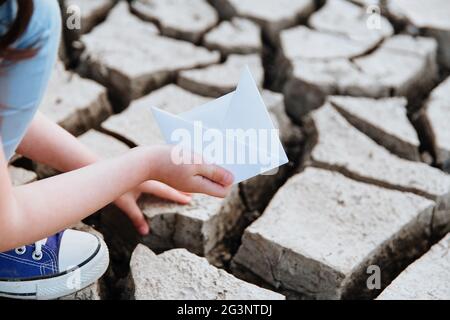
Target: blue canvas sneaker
54 267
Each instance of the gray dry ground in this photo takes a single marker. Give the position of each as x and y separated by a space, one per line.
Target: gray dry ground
363 114
425 279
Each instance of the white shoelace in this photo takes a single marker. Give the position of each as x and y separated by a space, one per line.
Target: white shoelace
37 253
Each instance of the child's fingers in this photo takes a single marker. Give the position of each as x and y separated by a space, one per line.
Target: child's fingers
206 186
216 174
136 216
164 191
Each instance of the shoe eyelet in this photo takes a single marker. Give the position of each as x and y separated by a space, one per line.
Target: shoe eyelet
20 251
37 257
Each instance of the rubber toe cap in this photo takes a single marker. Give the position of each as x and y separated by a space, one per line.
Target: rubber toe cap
76 249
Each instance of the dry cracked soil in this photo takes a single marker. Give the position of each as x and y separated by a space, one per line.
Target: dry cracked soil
362 102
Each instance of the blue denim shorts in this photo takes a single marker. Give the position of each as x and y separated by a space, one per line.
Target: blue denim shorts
23 83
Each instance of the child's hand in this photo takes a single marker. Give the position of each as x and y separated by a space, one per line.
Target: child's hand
194 176
128 202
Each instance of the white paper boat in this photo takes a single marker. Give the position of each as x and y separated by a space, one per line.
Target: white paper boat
234 131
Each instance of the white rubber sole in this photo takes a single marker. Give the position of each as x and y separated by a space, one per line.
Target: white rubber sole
60 285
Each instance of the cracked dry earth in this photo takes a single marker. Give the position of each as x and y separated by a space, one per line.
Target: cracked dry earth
363 114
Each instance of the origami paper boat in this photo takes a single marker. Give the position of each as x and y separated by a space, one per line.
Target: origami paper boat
234 131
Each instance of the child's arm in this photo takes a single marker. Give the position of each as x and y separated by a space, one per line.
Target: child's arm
37 210
46 142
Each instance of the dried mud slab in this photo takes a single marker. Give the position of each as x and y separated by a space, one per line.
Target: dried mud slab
180 275
367 3
183 19
272 15
304 43
91 12
404 65
75 103
20 176
239 36
103 145
217 80
426 279
198 226
400 66
384 120
343 17
79 17
435 119
341 147
364 225
128 56
430 18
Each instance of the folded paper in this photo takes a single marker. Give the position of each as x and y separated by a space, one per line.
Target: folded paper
234 131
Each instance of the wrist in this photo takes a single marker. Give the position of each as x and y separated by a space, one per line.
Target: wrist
153 157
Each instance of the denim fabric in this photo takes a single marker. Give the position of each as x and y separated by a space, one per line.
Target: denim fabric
23 84
15 266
